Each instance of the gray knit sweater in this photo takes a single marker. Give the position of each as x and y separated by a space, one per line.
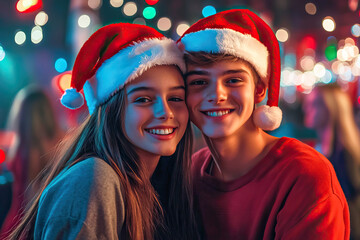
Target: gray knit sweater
82 202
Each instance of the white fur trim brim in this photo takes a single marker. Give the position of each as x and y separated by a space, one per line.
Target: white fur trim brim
128 64
267 118
231 42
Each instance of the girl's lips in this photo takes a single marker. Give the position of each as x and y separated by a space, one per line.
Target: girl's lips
162 137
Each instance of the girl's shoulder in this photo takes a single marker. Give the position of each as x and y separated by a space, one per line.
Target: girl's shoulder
81 185
82 196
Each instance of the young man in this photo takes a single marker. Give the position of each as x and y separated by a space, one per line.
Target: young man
249 184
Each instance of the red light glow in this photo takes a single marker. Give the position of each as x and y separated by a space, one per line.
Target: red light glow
2 156
25 6
151 2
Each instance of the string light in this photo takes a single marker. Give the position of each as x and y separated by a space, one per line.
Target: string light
116 3
282 35
310 8
20 37
41 19
164 24
149 12
84 21
36 34
2 53
328 24
94 4
60 65
130 8
181 28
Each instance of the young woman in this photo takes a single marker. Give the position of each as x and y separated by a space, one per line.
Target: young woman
329 111
33 120
111 180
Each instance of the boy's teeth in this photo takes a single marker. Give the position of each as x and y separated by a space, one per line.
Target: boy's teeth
165 131
217 113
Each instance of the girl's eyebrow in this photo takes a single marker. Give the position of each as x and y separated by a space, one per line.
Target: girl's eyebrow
137 89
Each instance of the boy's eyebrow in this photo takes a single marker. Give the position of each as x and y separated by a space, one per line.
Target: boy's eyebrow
137 89
196 72
201 72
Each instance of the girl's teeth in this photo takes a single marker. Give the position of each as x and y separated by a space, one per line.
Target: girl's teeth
218 113
161 131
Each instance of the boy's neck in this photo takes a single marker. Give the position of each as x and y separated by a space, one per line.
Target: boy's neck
237 154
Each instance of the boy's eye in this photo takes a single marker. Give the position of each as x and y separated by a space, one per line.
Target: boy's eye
234 80
143 100
197 82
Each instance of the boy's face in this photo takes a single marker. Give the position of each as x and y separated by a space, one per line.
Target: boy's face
221 97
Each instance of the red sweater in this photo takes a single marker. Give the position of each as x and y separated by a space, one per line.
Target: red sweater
292 193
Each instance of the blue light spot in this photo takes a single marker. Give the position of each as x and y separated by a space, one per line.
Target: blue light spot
60 65
208 11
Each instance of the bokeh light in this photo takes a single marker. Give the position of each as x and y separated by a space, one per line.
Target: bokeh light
355 30
116 3
20 37
84 21
181 28
319 70
164 24
36 34
2 156
130 8
310 8
330 52
307 63
149 12
2 53
208 11
282 35
140 21
328 24
95 4
64 81
60 65
151 2
41 18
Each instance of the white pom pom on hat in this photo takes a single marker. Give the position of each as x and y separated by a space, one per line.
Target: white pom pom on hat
243 34
72 99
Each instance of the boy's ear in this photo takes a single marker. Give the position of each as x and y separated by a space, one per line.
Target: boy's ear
260 91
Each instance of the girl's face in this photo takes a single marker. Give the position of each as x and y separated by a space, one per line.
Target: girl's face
155 113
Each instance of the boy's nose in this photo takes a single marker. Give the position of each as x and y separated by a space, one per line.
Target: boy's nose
217 94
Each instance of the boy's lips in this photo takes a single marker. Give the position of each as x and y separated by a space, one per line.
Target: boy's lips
217 112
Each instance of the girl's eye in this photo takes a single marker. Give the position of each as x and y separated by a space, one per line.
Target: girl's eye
176 99
197 82
142 100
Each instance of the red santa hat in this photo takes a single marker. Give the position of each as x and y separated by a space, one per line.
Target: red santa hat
113 56
243 34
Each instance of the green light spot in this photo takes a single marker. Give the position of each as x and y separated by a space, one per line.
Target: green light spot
331 52
149 12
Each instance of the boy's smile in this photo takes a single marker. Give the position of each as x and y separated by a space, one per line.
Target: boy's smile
220 97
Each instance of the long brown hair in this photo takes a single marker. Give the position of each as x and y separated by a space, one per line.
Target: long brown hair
100 137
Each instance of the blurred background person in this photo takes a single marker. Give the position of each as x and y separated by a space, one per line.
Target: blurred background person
33 120
329 111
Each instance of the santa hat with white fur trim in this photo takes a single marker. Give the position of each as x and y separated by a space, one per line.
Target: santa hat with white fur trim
241 33
113 56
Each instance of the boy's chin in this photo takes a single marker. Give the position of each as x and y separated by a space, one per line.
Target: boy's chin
215 133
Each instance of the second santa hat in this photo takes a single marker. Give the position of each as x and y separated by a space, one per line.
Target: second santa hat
243 34
113 56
